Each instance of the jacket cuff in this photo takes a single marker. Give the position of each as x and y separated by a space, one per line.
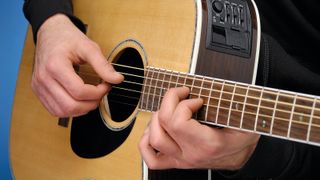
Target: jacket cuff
37 11
273 156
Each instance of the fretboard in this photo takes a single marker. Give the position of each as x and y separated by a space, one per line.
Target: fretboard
267 111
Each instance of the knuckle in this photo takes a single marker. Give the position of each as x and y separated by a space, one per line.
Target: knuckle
155 142
76 93
69 108
163 118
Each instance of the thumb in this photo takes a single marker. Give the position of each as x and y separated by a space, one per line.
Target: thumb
101 66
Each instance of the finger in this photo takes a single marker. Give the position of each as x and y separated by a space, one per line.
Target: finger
153 158
169 102
160 140
93 55
45 100
181 117
64 104
74 85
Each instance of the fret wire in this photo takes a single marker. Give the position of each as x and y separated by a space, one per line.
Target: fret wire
231 102
161 90
177 81
244 105
200 91
208 102
219 101
185 79
258 110
201 87
291 116
150 90
193 81
192 85
311 117
274 111
155 89
171 72
144 89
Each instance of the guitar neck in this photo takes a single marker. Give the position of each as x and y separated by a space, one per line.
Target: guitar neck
268 111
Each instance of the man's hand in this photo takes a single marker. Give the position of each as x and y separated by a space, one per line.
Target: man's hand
174 140
61 45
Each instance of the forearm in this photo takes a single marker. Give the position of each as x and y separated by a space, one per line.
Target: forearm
37 11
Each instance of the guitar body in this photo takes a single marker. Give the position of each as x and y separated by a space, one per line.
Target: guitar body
103 145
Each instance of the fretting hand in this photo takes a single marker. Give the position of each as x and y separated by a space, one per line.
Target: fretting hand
174 140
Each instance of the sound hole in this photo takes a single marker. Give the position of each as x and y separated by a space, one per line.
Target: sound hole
90 137
124 98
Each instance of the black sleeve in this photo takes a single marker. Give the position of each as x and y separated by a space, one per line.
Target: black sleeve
37 11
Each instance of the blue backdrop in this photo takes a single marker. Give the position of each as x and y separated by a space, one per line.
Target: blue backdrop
13 29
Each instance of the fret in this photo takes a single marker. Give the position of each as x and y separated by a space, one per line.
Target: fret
168 81
283 114
185 80
163 74
149 90
193 90
301 117
236 106
315 128
311 118
197 87
214 100
196 92
155 94
225 103
219 101
177 80
258 110
204 94
208 100
244 105
231 102
144 90
174 79
274 112
266 111
201 86
251 108
291 116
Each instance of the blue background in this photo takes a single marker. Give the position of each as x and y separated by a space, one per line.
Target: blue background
13 28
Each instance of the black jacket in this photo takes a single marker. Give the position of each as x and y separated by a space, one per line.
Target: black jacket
288 60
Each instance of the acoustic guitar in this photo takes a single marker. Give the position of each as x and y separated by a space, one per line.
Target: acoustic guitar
210 46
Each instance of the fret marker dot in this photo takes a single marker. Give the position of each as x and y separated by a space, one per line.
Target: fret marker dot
300 118
264 124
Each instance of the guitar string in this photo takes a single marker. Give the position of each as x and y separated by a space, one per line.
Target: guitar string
226 92
246 112
215 90
250 113
168 72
